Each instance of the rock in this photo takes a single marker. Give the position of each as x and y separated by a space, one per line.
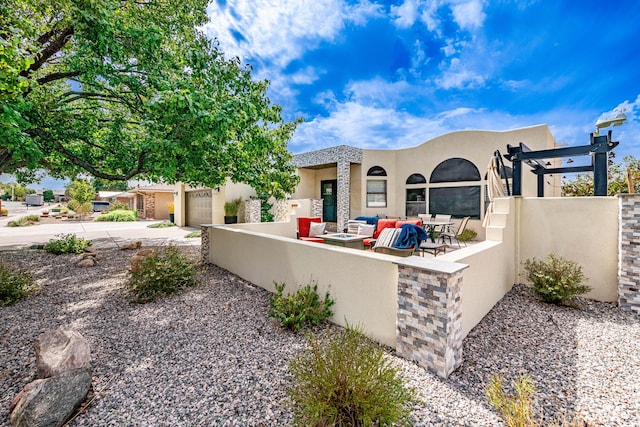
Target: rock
134 245
61 350
138 257
86 262
52 401
90 249
22 393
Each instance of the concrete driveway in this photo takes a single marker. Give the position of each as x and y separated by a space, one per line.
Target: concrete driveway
103 234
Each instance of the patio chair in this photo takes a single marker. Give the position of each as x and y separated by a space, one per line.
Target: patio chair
455 234
304 227
389 239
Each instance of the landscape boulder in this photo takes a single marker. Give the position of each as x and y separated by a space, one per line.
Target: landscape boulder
52 401
61 350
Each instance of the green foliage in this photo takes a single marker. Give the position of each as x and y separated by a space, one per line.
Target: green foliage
163 272
19 190
163 224
582 184
14 285
48 196
117 206
105 185
118 216
99 87
67 244
265 207
516 410
304 307
231 207
81 193
555 279
467 235
193 234
23 221
345 380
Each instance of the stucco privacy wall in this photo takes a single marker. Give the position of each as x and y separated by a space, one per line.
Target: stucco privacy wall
582 229
363 284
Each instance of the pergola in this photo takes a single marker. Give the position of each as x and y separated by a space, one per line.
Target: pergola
598 148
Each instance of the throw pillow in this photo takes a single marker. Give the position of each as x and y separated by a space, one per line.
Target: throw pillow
316 229
366 230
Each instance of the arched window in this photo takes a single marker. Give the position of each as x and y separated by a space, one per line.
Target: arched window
456 200
376 188
376 171
416 178
455 170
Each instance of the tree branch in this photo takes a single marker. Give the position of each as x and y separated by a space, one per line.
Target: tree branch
57 76
51 49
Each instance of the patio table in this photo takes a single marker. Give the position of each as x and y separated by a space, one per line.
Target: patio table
430 227
353 241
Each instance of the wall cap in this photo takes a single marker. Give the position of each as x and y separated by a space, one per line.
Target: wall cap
430 264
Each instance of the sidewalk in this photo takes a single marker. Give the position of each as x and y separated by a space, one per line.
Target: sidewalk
103 234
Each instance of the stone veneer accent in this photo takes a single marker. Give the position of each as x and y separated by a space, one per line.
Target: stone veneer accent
316 207
429 322
252 210
204 245
342 156
629 253
280 210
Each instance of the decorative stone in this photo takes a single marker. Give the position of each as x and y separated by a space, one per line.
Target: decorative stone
52 401
138 257
87 262
131 246
628 253
61 350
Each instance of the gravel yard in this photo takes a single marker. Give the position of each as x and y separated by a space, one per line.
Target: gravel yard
211 355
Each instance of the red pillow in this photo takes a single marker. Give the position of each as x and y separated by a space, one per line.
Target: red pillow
382 224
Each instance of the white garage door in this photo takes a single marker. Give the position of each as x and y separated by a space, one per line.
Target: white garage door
198 207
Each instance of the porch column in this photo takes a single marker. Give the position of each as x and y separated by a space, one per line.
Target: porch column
429 322
344 184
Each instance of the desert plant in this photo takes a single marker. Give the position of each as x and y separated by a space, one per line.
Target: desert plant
119 216
163 224
66 244
555 279
346 380
163 272
467 235
231 207
117 206
24 220
14 285
516 410
304 307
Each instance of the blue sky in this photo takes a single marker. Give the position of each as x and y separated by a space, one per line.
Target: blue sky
395 74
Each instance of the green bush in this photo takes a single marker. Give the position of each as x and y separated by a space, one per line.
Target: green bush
467 235
555 279
193 234
345 380
516 410
303 307
67 244
163 224
23 221
163 272
14 285
118 206
119 216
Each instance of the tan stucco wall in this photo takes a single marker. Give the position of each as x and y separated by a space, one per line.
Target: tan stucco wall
582 229
363 284
162 205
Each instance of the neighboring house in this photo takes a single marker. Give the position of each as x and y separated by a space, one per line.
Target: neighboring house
116 196
152 201
195 206
445 175
59 196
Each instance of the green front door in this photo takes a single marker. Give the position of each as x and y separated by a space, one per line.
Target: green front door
328 192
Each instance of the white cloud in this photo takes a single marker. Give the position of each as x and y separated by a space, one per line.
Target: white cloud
404 15
459 76
469 15
378 92
305 76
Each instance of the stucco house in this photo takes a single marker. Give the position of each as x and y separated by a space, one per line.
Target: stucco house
152 201
446 175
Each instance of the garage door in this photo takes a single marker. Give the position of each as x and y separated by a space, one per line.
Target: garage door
198 207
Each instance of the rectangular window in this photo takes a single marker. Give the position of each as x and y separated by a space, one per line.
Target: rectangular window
456 201
377 193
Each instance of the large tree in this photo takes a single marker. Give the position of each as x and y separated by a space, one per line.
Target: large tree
132 89
582 184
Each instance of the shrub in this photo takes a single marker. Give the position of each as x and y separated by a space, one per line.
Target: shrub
193 234
163 224
4 212
555 279
163 272
231 207
516 410
303 307
66 244
467 235
117 206
23 221
346 380
14 285
119 215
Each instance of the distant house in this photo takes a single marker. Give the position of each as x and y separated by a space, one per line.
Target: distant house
152 201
